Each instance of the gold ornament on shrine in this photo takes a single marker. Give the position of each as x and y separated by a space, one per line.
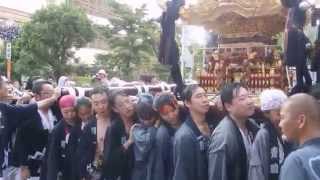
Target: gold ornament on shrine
237 18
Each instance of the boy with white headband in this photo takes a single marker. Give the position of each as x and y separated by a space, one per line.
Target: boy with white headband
268 151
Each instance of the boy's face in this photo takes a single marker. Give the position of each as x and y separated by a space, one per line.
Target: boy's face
84 113
46 92
169 113
68 114
289 123
100 103
199 101
124 106
242 105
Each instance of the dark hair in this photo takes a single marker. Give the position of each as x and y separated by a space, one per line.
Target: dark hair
114 94
228 91
83 101
99 90
144 107
289 3
37 85
146 78
30 81
188 92
163 99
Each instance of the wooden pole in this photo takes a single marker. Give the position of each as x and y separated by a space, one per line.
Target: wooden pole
8 59
8 65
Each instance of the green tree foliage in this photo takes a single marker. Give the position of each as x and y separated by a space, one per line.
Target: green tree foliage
46 41
133 42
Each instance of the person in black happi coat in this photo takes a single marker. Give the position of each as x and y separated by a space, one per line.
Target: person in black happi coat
11 118
94 139
32 138
63 143
191 141
171 119
119 152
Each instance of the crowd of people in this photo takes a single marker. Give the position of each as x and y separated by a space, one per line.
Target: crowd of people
108 136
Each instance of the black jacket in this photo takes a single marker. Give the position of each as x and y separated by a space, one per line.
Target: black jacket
62 150
295 40
119 162
11 118
32 143
87 149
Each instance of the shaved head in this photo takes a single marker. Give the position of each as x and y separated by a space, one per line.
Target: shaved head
304 104
300 116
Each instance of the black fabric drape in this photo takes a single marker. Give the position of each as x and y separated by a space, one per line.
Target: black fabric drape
168 49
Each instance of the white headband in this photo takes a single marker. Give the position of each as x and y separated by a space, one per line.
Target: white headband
272 99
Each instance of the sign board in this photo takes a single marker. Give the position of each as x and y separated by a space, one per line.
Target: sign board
8 50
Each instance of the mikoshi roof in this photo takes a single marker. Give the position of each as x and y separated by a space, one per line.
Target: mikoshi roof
237 18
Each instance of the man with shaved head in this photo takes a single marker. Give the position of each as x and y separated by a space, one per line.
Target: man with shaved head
300 122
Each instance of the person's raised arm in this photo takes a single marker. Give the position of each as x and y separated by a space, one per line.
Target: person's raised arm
51 100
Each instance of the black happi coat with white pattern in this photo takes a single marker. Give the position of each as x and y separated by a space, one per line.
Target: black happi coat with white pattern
63 143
